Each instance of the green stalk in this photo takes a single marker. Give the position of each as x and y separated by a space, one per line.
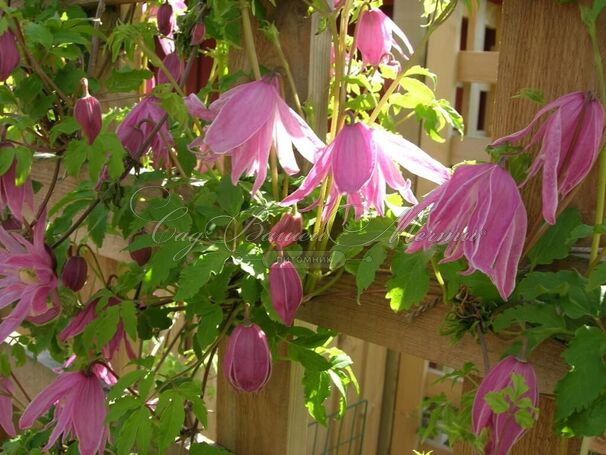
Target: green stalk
601 197
249 40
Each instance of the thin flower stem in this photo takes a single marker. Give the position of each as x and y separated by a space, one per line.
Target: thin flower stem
484 348
99 269
49 192
95 41
273 164
396 82
36 66
23 391
168 349
601 195
249 40
77 223
289 77
160 64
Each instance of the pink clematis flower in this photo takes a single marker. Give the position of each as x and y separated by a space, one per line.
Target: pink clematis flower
479 214
504 431
138 125
286 290
570 136
6 407
375 37
78 324
250 119
28 278
12 196
79 411
362 161
247 361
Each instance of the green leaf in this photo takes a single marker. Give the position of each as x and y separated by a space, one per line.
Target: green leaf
38 33
557 241
310 359
126 79
211 317
108 147
67 126
121 407
172 414
587 378
497 402
410 280
372 260
97 223
316 385
597 277
162 262
125 381
590 421
137 427
74 157
229 197
542 314
194 276
7 156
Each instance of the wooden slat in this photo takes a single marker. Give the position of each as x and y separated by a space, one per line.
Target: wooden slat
477 66
469 148
374 321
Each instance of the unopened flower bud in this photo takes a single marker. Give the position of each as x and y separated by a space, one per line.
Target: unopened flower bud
9 55
87 112
247 361
286 290
142 255
504 429
165 19
75 272
174 65
287 230
197 34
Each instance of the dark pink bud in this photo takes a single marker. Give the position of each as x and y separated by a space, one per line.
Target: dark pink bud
174 65
287 230
197 34
165 19
247 361
74 273
503 429
142 255
286 290
9 54
87 113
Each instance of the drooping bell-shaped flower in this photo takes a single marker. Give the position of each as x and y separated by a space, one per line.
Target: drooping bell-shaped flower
362 161
570 134
250 119
14 196
504 431
174 65
79 413
247 361
74 273
27 271
480 215
78 324
198 33
9 55
376 37
286 231
6 406
87 112
286 290
165 19
138 125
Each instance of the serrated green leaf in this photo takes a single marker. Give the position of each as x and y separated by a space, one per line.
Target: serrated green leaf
126 79
171 414
497 402
196 275
371 262
557 241
410 280
587 379
310 359
597 277
211 317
